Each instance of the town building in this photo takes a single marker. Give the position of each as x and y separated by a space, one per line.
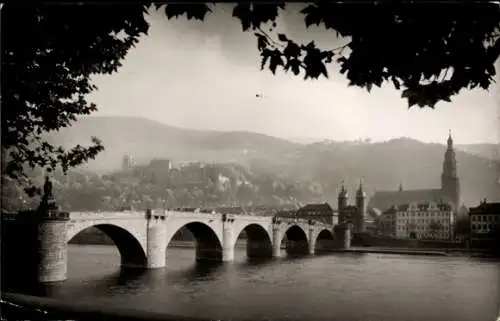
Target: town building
127 163
387 223
322 212
429 220
448 193
484 219
159 165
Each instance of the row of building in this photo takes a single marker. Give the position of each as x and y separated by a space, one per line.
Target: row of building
410 214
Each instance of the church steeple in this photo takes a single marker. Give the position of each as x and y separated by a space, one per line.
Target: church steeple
360 192
450 163
450 183
450 140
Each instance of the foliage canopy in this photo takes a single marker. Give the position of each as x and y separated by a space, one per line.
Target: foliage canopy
429 51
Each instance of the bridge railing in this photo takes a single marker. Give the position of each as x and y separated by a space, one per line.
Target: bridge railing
33 215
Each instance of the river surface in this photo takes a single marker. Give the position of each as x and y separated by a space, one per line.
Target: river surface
340 286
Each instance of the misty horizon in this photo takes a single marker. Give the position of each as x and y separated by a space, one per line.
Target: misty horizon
294 139
206 75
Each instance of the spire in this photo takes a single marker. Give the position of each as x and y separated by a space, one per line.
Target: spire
400 186
450 140
360 192
343 190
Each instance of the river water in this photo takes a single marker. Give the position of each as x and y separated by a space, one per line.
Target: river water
340 286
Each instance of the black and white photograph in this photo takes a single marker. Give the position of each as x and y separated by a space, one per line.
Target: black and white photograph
250 161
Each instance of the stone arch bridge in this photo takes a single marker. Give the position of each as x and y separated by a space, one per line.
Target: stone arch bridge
142 238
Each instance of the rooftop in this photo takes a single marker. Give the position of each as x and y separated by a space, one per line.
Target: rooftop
486 208
316 207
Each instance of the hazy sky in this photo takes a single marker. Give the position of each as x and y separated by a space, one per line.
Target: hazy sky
207 75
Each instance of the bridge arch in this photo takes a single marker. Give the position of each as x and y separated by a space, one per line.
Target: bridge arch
259 242
208 242
130 245
325 241
297 240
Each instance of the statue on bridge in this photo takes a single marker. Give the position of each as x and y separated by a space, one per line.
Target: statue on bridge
48 201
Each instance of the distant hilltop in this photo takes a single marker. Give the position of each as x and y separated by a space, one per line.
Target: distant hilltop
383 165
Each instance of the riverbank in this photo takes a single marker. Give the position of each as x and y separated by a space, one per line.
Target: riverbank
420 251
395 251
24 307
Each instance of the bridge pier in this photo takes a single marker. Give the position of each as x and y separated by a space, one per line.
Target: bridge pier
52 249
156 244
276 241
34 246
227 241
312 241
343 233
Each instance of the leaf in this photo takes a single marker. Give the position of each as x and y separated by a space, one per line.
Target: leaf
275 61
282 37
296 67
396 83
265 54
322 69
312 15
262 41
292 50
242 12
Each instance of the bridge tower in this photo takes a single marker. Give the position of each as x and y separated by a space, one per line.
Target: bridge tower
343 229
342 202
361 208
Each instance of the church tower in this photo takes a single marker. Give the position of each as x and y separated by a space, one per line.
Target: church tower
342 203
450 183
361 207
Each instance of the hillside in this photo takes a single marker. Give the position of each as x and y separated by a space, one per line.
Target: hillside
490 151
146 139
317 167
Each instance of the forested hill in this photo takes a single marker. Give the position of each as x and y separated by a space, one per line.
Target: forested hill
306 172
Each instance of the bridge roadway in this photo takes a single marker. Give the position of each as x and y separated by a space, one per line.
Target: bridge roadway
142 238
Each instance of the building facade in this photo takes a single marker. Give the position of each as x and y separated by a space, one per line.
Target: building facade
448 193
428 220
387 223
485 219
355 215
322 212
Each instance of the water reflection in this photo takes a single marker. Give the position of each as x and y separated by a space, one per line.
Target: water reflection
340 286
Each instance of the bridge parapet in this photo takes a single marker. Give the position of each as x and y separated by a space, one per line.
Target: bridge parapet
156 215
106 215
250 218
173 214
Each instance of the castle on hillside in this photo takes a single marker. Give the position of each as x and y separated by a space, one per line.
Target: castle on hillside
448 193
